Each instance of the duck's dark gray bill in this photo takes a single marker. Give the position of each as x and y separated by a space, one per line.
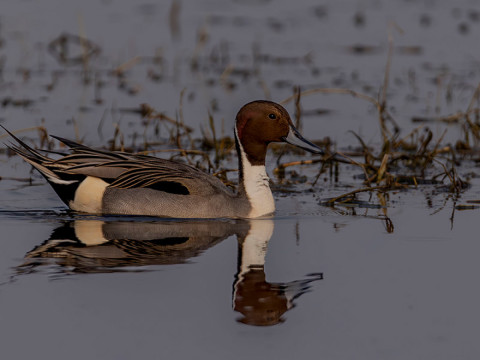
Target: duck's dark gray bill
295 138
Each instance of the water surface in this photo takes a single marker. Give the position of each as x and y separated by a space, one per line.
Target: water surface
390 276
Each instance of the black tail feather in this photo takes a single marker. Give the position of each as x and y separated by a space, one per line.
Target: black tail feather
71 144
31 151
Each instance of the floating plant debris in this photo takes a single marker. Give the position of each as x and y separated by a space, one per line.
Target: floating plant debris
71 49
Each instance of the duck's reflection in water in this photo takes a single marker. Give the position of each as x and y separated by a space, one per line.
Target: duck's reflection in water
93 246
262 303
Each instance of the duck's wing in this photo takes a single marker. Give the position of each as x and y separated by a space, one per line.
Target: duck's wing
118 169
128 171
161 173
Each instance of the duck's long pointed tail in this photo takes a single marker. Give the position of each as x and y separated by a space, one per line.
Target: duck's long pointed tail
63 183
36 159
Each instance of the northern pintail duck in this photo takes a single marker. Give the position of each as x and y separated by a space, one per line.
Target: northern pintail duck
112 182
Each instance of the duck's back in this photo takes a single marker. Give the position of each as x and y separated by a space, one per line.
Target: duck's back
144 185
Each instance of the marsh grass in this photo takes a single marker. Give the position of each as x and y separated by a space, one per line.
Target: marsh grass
396 161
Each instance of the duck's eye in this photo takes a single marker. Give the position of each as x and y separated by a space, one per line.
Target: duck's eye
272 116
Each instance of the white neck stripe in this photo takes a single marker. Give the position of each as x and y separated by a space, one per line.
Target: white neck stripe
256 185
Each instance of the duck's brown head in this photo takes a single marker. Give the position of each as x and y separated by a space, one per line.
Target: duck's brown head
261 122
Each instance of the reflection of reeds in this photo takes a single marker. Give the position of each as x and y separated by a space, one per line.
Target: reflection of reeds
85 53
174 19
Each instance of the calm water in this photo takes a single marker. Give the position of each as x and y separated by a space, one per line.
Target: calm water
391 278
